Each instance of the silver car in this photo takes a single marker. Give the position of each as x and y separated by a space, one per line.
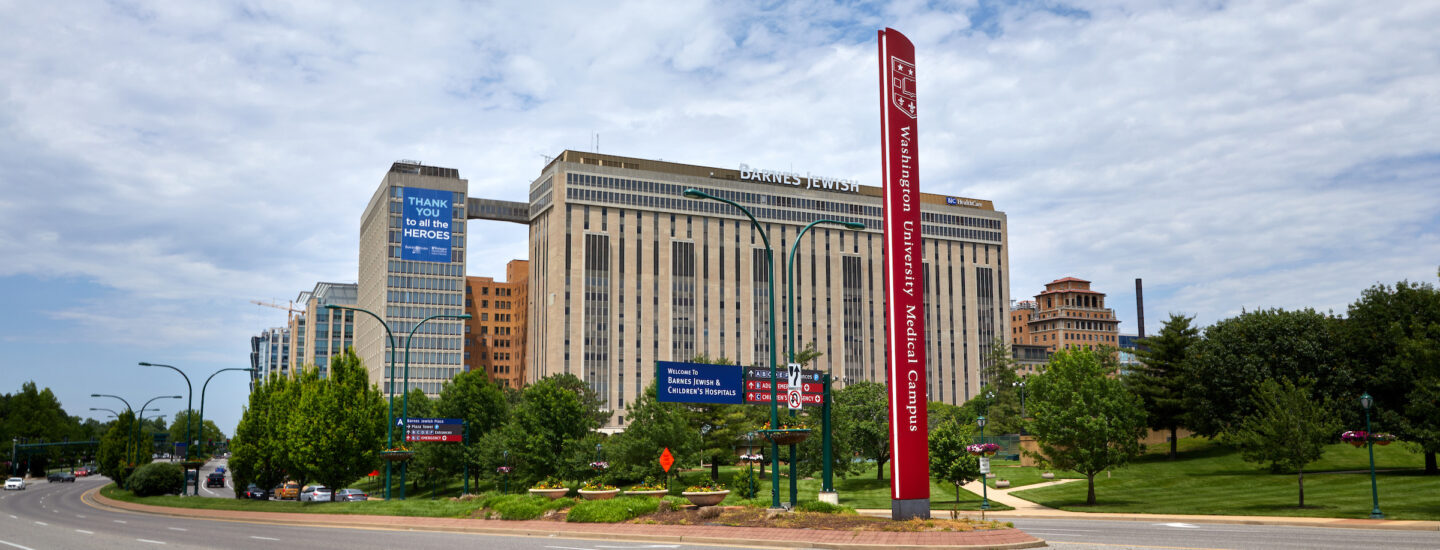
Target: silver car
349 495
15 484
315 493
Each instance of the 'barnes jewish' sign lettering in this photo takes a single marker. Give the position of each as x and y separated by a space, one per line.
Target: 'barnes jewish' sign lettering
698 383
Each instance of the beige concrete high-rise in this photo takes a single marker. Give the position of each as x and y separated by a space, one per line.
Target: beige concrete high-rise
626 271
406 291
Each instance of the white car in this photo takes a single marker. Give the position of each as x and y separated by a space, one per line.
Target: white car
15 484
315 493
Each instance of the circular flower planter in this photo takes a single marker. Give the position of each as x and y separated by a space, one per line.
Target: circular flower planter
1382 442
599 495
1002 483
705 498
397 456
657 493
786 437
552 494
1047 475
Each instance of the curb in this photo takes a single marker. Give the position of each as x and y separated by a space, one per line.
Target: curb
1329 523
359 522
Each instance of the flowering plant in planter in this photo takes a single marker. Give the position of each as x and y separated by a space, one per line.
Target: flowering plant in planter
986 449
549 483
502 470
648 485
595 486
706 487
1355 437
1382 439
599 465
755 458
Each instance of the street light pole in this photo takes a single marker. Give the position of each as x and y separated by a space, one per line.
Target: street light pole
141 417
1365 402
984 476
389 382
770 280
1021 384
189 410
201 422
117 417
405 390
825 479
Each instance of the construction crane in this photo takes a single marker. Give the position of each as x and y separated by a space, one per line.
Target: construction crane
290 307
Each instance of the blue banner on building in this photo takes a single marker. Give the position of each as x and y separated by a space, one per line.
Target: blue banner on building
425 225
698 383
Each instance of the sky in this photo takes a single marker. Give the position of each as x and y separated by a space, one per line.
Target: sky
164 163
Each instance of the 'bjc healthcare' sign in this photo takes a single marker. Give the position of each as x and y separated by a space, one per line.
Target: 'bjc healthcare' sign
425 228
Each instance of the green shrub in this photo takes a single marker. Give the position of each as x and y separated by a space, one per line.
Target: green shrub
614 510
156 478
823 507
741 483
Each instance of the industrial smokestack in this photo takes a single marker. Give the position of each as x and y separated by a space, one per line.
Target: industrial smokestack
1140 305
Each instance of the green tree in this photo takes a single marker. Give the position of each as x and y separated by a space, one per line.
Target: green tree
720 426
862 418
1392 335
1159 380
949 459
473 397
1239 353
999 398
117 448
207 436
1289 429
551 418
259 451
590 400
1082 417
338 427
653 426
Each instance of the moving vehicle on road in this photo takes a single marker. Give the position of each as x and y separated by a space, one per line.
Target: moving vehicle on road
350 495
315 493
15 484
61 477
215 479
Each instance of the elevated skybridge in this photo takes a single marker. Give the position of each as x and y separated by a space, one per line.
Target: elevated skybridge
496 210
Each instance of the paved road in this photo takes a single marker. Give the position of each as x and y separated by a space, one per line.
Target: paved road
1078 534
53 516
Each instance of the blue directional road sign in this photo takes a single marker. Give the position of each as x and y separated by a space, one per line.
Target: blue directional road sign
698 383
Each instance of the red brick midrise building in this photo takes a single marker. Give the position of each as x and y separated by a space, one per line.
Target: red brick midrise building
495 333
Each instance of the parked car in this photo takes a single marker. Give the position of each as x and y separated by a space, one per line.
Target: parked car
289 490
83 471
215 479
15 484
61 477
255 492
350 495
315 493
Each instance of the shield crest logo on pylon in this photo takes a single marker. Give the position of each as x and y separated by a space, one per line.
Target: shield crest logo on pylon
902 86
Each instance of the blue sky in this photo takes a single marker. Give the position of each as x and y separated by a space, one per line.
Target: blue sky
165 163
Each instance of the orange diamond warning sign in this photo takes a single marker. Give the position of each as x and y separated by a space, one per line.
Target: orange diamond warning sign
667 460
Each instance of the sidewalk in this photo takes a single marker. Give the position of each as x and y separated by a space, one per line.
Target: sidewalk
694 534
1026 509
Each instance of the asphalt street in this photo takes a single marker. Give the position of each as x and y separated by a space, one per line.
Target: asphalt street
53 516
50 516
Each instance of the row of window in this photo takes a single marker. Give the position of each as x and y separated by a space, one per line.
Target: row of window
423 297
426 268
423 283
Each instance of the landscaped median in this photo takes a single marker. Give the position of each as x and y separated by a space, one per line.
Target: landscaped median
624 518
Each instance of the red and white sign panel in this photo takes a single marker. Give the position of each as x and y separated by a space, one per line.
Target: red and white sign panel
763 397
794 400
904 293
808 387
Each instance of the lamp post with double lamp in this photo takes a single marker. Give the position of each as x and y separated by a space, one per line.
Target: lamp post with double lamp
117 416
389 382
1021 384
201 421
405 390
984 476
770 280
825 484
1365 402
141 417
112 413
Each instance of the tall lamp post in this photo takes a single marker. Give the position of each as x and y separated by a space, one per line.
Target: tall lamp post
189 409
141 417
405 390
201 422
112 413
984 476
1021 384
826 486
127 409
1365 402
770 280
389 382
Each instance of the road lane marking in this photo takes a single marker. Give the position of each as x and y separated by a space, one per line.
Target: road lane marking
150 541
120 521
84 531
16 545
79 516
1179 525
177 529
261 538
41 523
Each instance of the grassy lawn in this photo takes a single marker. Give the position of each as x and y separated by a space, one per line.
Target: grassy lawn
443 508
1209 478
